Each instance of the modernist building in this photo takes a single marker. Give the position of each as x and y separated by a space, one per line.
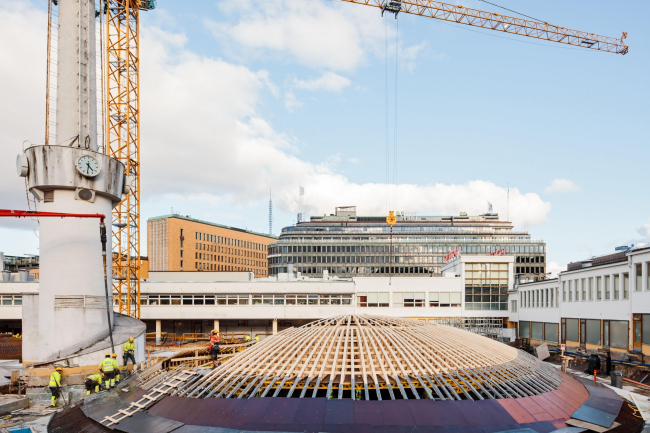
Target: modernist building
471 289
348 245
182 243
599 303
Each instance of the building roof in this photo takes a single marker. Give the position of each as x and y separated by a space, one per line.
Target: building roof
382 357
187 218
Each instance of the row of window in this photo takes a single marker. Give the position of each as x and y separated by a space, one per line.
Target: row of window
225 268
357 259
11 300
225 250
609 333
255 299
406 249
338 270
227 241
226 259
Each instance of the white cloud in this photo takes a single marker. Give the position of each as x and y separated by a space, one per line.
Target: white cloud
561 185
317 34
329 82
644 230
291 103
236 155
356 161
23 28
554 268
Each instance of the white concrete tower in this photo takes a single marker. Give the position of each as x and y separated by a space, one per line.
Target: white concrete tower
69 313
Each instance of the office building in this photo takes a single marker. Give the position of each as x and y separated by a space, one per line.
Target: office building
348 245
182 243
601 303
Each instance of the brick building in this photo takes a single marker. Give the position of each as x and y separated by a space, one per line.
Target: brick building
182 243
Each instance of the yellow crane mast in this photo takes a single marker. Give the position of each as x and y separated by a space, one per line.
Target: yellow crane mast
122 138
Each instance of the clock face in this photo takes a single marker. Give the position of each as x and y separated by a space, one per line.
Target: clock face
88 166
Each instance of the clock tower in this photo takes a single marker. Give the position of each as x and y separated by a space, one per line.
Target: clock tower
68 316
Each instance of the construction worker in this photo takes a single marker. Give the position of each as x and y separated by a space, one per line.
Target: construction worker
129 352
257 338
247 338
93 382
213 348
55 385
116 368
107 368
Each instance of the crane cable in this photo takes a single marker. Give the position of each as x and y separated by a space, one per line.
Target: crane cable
515 12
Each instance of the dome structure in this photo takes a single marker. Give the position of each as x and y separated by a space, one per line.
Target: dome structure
365 357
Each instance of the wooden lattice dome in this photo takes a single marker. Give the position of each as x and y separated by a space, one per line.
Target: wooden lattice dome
374 357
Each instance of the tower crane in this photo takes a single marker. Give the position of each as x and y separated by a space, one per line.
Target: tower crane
122 103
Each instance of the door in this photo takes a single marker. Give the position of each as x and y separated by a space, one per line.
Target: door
583 332
637 331
563 332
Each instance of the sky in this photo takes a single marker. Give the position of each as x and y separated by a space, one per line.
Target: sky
414 114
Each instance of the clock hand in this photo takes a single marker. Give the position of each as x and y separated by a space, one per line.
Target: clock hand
89 169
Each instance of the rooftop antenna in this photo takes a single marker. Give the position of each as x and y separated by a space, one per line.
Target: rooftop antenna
508 203
270 213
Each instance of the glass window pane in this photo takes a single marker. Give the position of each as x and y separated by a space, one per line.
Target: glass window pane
645 329
524 329
537 331
551 332
618 334
572 329
593 332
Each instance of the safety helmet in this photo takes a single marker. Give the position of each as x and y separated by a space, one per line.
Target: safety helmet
58 369
214 331
115 355
108 355
131 339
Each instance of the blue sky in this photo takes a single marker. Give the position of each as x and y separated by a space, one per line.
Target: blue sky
240 97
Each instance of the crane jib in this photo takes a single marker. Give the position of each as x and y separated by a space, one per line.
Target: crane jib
494 21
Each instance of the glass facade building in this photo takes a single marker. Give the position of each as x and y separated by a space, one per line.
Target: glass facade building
348 245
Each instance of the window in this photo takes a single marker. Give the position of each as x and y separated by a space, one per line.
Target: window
486 286
181 263
626 286
7 300
232 299
583 288
590 288
373 299
593 332
607 288
513 306
537 331
408 299
524 329
572 329
638 271
617 286
551 332
647 276
570 291
618 334
563 291
599 294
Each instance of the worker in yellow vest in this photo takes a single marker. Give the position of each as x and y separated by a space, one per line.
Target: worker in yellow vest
116 368
107 368
129 352
247 338
257 338
92 383
55 385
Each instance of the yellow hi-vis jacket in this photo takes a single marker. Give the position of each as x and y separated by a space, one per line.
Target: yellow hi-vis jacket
106 365
116 365
55 379
129 347
96 377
